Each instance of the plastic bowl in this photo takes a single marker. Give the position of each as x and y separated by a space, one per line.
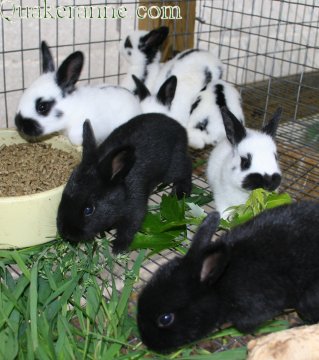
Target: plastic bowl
30 219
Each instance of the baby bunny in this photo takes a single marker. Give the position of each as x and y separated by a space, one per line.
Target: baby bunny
244 161
52 103
111 186
205 126
245 277
178 84
141 49
162 101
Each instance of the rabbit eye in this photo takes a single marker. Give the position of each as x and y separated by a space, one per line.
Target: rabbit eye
44 107
89 210
165 320
245 162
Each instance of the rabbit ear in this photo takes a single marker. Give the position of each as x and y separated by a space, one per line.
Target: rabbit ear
235 131
204 234
214 262
116 165
128 43
155 38
47 59
141 90
89 143
167 91
69 71
272 126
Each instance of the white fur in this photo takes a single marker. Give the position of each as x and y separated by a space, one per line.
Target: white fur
190 73
178 110
151 105
190 69
225 175
106 107
208 109
137 62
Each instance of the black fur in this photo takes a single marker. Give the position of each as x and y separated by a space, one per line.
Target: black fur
186 53
141 90
245 162
47 59
195 104
202 125
128 43
166 93
28 126
267 182
141 81
235 130
247 276
220 96
69 72
271 127
117 178
145 74
150 43
43 107
208 78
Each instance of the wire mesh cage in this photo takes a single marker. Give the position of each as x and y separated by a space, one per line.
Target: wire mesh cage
270 50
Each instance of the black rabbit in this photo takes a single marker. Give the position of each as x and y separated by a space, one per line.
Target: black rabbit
111 186
247 276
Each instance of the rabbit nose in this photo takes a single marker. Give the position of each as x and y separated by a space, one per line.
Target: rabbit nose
27 126
271 182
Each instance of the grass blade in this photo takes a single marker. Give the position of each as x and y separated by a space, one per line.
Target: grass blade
34 306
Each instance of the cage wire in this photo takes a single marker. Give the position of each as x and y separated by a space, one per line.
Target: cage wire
270 50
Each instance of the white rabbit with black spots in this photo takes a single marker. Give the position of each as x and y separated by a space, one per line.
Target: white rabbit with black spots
205 126
52 103
141 49
182 80
245 160
194 68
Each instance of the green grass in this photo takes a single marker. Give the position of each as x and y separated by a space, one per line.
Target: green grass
66 302
56 308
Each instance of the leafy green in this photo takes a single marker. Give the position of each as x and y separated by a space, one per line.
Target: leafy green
258 201
167 227
199 196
